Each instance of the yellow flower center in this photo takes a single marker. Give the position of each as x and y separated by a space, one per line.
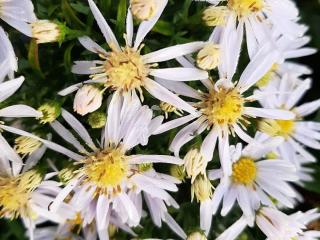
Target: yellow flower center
264 81
106 169
283 128
223 107
26 145
244 171
215 16
123 70
244 8
15 193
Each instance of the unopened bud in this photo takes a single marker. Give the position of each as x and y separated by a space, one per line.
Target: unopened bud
97 119
143 9
88 99
45 31
209 57
201 188
194 164
215 16
197 236
50 112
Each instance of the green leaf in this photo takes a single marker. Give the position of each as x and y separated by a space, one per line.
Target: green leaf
121 17
70 15
164 28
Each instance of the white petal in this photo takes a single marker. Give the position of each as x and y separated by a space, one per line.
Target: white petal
90 45
141 159
103 25
146 26
10 87
269 113
19 111
179 74
78 127
172 52
161 93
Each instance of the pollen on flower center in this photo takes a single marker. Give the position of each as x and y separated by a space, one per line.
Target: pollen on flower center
283 128
15 194
124 70
244 171
106 169
244 8
223 107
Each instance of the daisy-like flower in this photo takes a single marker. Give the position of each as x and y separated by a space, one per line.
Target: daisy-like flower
297 132
224 107
19 14
126 70
24 192
276 225
8 60
257 17
108 181
254 180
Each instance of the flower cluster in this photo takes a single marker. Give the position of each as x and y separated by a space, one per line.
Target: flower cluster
250 137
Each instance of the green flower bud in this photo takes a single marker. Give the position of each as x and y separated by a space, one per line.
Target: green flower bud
97 119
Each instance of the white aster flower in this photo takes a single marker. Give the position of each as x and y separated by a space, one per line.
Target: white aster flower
108 182
298 133
23 191
19 14
258 18
8 60
224 107
276 225
255 180
126 70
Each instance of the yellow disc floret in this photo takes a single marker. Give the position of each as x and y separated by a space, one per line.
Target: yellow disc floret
223 107
244 8
122 69
15 193
244 171
215 16
26 145
106 169
283 128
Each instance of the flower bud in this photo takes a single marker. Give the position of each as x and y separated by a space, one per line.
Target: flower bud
196 236
194 164
143 9
88 99
97 119
26 145
202 188
209 57
177 172
50 112
215 16
45 31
